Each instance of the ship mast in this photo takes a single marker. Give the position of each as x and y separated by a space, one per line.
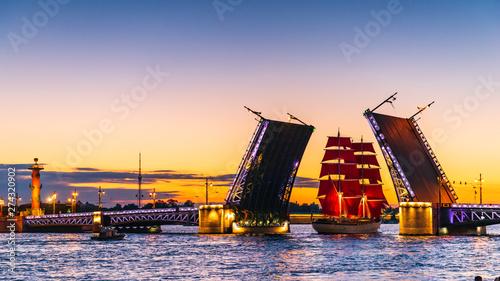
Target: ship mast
340 182
363 178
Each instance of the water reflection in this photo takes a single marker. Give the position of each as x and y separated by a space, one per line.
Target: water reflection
300 255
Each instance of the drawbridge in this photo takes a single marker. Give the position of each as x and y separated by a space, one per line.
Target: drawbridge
261 189
415 170
420 181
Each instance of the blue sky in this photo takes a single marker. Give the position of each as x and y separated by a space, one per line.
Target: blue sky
273 56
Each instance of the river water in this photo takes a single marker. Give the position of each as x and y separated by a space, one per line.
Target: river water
300 255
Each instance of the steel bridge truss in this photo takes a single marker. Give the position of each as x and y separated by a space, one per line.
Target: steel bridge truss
403 188
133 217
62 219
431 154
186 215
235 193
284 196
470 214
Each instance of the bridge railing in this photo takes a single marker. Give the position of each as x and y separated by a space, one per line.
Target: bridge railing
60 216
482 206
149 211
181 214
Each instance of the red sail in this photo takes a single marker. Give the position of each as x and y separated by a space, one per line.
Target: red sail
325 186
349 170
376 207
367 146
346 155
374 191
338 141
351 206
366 212
373 208
330 205
339 148
372 173
349 188
367 159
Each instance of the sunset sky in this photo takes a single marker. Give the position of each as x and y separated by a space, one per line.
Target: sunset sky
87 85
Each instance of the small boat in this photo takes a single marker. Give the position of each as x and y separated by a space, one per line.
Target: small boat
350 190
107 233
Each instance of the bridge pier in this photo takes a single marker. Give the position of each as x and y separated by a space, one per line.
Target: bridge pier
424 218
97 222
215 219
417 218
7 222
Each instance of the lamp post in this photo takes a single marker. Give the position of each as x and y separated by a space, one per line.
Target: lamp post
100 193
1 206
481 180
206 187
17 200
153 194
53 199
73 201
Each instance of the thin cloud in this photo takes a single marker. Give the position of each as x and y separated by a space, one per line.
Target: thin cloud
303 182
63 182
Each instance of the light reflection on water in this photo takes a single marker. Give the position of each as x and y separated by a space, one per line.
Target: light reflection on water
301 255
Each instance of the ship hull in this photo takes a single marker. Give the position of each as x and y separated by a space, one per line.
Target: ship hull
335 227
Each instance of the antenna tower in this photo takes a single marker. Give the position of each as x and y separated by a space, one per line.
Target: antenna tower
140 178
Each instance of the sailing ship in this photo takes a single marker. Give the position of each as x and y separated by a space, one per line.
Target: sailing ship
350 189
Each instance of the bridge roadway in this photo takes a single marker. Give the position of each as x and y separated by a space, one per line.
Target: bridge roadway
132 219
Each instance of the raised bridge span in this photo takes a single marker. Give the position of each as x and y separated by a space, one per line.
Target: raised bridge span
421 185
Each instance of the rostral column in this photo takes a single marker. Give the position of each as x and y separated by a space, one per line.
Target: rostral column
35 187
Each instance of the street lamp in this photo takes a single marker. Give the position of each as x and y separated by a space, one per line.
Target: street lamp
153 194
73 201
481 180
100 193
206 187
17 200
53 199
1 206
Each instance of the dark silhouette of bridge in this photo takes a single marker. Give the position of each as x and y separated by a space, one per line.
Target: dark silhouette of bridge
261 190
418 176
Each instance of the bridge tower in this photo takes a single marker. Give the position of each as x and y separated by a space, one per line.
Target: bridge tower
35 187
